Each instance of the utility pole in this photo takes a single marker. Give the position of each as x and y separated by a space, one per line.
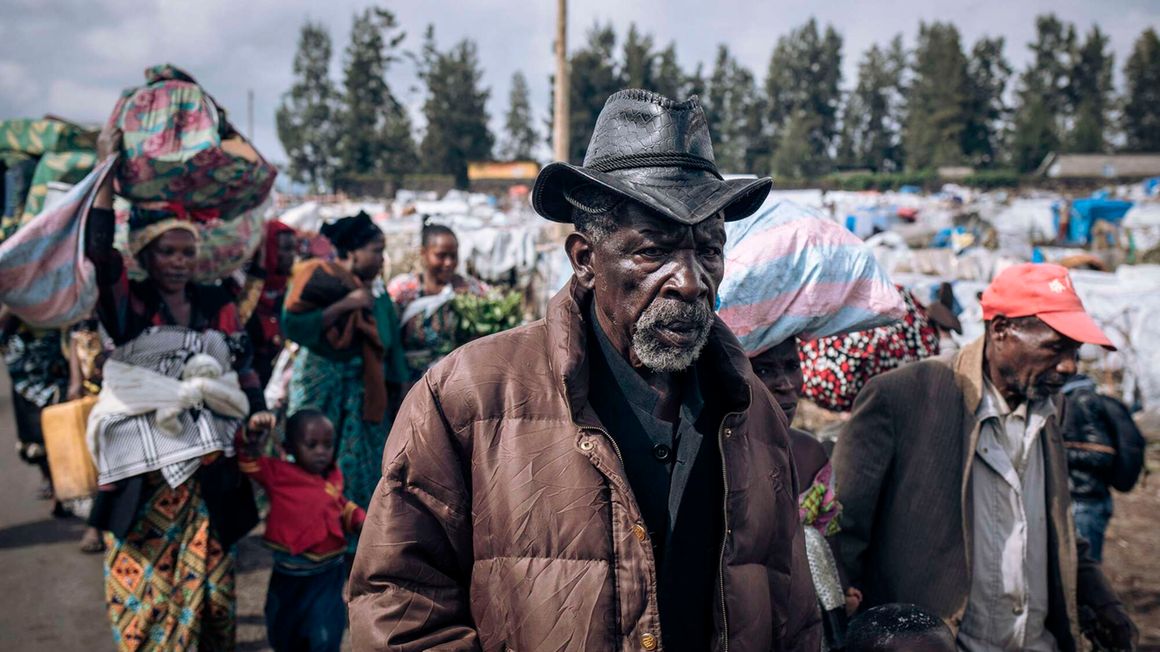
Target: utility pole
561 134
250 114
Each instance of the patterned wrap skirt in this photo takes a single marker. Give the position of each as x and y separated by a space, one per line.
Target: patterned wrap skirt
335 388
169 584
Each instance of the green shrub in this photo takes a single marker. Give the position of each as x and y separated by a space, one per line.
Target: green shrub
988 179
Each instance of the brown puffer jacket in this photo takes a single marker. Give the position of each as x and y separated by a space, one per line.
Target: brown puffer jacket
504 520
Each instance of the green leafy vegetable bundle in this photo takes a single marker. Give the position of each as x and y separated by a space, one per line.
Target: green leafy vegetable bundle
478 316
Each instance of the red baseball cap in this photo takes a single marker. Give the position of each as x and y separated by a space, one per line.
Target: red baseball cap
1045 291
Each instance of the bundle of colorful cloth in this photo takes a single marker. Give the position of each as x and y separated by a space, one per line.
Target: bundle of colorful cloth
181 159
180 154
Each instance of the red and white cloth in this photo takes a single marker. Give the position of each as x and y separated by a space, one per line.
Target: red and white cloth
837 368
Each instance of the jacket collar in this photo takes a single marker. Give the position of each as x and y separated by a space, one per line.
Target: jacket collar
722 360
968 371
968 368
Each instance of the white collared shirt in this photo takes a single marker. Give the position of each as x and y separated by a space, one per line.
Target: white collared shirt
1008 602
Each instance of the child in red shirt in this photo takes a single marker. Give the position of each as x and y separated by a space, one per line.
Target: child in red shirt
307 529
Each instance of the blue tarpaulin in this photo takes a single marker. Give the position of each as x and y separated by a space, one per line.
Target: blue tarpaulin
1085 213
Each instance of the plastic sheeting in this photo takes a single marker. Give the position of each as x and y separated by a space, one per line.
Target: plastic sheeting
1142 225
1026 221
1126 305
1086 212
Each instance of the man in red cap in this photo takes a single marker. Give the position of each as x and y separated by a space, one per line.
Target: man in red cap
954 481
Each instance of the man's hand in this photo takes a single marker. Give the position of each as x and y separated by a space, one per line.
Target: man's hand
1114 628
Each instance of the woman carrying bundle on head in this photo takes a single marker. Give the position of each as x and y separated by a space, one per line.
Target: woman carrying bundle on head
351 363
425 299
791 272
176 390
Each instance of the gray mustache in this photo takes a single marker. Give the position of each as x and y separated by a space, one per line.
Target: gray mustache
670 312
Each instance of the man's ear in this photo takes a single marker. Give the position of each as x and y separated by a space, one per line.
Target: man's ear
580 254
1000 327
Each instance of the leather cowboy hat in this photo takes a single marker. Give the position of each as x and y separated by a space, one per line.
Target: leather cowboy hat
652 150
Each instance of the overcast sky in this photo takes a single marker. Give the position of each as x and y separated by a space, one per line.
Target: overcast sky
72 57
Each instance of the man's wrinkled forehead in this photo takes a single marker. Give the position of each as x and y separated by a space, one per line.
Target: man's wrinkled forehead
652 224
1043 333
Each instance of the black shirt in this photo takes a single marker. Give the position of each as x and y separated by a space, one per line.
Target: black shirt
674 470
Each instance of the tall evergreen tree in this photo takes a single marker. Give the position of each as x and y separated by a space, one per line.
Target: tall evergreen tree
305 118
669 80
734 112
1041 111
804 74
521 131
1034 134
456 110
870 130
375 134
987 75
1089 93
638 69
1141 117
936 110
594 76
795 156
695 83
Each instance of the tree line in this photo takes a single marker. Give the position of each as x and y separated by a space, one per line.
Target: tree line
939 103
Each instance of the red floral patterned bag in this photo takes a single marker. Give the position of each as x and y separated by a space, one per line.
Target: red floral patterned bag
837 368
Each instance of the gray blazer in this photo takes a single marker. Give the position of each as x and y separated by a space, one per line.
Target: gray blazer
902 465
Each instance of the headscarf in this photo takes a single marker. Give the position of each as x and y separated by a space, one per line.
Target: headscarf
351 233
269 306
141 236
149 220
275 280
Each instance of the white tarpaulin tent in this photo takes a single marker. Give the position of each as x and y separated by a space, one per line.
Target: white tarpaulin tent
1126 305
1024 221
1142 225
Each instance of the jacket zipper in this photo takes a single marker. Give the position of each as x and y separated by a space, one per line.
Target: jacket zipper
725 534
612 542
615 447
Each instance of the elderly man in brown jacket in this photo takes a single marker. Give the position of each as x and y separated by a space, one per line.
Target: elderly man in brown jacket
612 477
954 481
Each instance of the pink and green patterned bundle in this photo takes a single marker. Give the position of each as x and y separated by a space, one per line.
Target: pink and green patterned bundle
179 148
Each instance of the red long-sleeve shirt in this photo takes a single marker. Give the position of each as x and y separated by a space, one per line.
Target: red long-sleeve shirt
308 513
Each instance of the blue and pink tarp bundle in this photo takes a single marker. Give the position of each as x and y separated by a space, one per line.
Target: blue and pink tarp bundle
44 276
790 271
